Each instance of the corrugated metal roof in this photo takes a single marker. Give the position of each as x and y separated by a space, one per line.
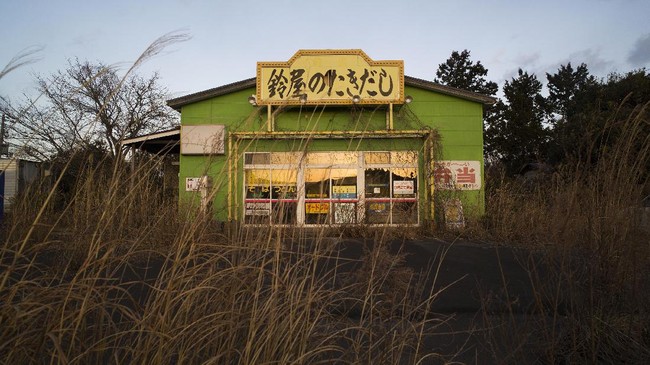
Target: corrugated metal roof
158 142
179 102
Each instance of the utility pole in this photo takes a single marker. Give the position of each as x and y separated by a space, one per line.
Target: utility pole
2 136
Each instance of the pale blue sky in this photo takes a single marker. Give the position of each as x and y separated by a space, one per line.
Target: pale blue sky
229 37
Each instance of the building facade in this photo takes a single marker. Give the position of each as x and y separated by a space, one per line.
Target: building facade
331 137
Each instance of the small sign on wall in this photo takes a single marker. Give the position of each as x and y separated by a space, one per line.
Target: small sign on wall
206 139
192 183
457 175
196 183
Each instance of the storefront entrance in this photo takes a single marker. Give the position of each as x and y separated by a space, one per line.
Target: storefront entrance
331 188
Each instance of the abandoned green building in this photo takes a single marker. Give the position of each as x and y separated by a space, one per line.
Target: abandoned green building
331 137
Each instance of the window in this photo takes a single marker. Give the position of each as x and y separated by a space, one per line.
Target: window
271 190
391 180
331 188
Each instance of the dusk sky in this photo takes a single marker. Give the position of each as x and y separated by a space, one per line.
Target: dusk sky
229 37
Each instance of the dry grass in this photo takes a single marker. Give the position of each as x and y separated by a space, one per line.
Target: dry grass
119 275
591 284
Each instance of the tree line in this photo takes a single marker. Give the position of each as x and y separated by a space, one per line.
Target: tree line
580 116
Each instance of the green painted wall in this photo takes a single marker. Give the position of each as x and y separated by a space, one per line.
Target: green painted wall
458 122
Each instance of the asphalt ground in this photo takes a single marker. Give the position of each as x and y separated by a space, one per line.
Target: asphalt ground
488 297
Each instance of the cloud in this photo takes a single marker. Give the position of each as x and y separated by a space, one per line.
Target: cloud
640 54
527 60
596 64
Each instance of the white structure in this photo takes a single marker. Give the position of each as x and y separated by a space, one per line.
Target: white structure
15 175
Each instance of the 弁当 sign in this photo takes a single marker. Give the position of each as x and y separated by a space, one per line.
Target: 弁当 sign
314 77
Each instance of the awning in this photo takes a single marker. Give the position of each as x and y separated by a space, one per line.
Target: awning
157 143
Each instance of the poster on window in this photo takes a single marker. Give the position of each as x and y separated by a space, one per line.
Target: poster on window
317 208
457 175
345 213
344 192
404 187
258 209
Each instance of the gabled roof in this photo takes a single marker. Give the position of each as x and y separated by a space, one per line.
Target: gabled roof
179 102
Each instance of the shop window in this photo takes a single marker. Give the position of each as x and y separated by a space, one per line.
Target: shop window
317 212
378 212
344 183
391 193
271 194
284 196
344 195
317 194
284 184
258 193
330 190
403 158
317 183
332 158
345 213
257 212
285 158
257 158
284 212
375 158
377 183
405 212
258 184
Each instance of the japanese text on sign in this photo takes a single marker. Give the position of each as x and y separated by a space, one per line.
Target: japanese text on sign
344 192
317 208
405 187
330 77
457 175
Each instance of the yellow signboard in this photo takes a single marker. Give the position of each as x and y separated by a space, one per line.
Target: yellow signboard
314 77
317 208
344 189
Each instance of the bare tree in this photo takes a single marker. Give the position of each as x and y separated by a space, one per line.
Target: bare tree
90 104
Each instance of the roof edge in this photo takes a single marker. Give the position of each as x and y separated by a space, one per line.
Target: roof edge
152 136
448 90
178 103
181 101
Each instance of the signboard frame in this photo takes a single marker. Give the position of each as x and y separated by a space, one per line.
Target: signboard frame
338 77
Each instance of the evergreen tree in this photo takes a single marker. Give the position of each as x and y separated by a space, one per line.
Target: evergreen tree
572 94
565 86
461 72
516 133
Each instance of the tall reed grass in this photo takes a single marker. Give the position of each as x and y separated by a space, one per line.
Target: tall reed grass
592 283
118 274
